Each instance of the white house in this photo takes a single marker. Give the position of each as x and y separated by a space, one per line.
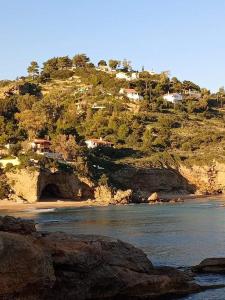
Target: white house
131 94
94 143
173 97
127 76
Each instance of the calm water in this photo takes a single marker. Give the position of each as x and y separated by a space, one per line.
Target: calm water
170 234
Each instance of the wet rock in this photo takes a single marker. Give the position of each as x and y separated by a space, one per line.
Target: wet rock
211 265
17 225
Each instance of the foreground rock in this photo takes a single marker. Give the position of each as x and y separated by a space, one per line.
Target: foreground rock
43 266
211 265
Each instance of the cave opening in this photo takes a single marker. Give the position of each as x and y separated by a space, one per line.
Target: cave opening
51 192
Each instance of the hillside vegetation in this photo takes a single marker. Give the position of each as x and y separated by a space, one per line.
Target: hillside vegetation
72 97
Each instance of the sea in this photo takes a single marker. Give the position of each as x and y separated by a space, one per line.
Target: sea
178 235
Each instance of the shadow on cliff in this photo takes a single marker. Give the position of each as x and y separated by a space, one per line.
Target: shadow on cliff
149 180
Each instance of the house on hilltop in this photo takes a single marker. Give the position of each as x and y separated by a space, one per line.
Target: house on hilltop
132 94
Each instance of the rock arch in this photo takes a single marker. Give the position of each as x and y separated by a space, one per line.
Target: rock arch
30 185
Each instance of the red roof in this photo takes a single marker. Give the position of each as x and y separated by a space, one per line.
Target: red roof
130 91
41 141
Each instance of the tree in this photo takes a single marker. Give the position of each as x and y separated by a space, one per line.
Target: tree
147 139
26 101
64 62
33 69
123 132
126 65
66 145
102 63
31 121
50 65
80 60
113 63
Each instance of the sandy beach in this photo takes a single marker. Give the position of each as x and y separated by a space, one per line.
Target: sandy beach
14 206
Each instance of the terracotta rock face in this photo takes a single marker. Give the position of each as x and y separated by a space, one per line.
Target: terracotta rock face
57 266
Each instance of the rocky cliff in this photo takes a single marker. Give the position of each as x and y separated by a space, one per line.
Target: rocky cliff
205 179
33 185
144 181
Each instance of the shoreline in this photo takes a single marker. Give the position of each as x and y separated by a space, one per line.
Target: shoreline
14 206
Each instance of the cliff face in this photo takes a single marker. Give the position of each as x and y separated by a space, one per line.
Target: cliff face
207 178
34 185
149 180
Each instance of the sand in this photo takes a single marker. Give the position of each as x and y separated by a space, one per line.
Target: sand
13 206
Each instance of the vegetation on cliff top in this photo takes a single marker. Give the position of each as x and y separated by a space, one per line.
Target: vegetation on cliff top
72 97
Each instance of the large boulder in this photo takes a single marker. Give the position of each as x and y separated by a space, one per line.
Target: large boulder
96 267
26 269
154 197
57 266
123 197
211 265
105 195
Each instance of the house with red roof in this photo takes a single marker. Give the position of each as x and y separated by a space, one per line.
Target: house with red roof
132 94
41 145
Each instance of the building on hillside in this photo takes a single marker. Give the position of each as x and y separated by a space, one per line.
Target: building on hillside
192 93
97 106
106 69
173 97
132 94
41 145
94 143
127 76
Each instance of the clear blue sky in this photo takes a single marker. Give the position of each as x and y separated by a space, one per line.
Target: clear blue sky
183 36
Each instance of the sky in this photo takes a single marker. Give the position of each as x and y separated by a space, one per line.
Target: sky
186 37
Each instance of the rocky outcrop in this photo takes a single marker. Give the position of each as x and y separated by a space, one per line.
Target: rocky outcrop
207 179
41 266
154 197
17 225
32 185
204 179
145 181
104 195
211 265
